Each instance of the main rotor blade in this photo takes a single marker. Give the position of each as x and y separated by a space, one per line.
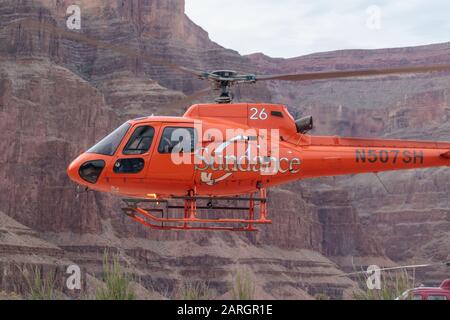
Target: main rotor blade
77 36
186 101
415 266
353 74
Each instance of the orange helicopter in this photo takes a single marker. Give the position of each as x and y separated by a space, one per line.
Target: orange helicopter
228 152
224 150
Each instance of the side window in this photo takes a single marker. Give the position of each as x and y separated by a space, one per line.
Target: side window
436 297
140 142
417 297
177 139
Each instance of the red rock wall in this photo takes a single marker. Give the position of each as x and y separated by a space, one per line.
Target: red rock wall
57 97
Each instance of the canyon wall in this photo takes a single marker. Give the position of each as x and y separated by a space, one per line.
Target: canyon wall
59 96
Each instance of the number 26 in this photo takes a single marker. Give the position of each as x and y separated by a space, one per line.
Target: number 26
258 115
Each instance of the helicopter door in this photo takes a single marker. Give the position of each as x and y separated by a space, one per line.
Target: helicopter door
133 159
173 158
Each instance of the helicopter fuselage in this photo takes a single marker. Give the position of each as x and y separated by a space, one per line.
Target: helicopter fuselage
222 150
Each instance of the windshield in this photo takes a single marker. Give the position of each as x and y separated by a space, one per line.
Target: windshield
109 145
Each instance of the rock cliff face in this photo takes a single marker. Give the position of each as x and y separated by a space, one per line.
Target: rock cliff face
58 96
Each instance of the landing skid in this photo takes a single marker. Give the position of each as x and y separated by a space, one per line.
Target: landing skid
160 214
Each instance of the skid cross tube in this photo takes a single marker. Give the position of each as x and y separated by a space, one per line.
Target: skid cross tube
190 219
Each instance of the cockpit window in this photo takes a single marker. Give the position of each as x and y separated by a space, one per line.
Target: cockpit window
109 145
141 141
176 140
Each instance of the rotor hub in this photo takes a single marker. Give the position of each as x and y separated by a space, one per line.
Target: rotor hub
223 80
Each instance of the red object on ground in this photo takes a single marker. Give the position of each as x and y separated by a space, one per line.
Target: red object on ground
430 293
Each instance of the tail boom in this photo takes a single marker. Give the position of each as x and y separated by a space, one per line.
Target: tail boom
331 156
